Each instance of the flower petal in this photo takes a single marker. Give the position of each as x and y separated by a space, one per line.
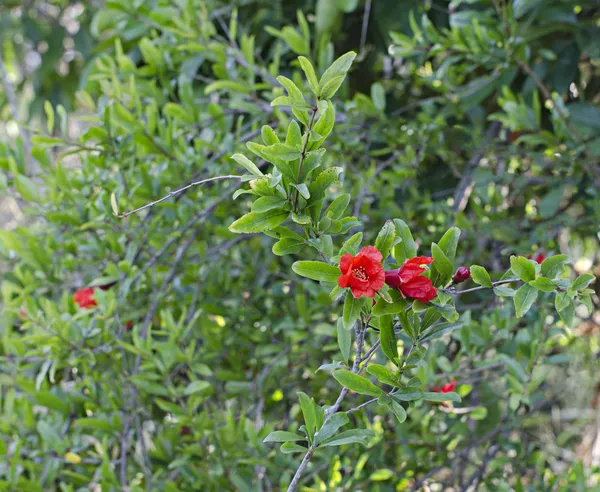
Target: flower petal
346 262
372 253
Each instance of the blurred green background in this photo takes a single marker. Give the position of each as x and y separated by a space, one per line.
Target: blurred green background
479 114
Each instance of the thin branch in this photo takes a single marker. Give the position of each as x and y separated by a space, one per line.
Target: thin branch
303 154
360 329
494 284
365 27
176 192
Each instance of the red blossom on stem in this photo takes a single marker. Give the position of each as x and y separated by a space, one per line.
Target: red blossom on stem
85 298
538 256
363 273
445 388
409 281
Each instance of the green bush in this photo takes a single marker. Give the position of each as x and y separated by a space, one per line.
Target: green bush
157 331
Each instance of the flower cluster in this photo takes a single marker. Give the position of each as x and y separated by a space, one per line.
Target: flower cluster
364 274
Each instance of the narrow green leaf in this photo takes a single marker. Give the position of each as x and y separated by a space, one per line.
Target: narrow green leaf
351 311
358 436
387 336
283 436
449 243
406 248
310 414
356 383
258 222
441 264
440 397
332 425
582 282
311 76
344 337
317 270
247 164
385 238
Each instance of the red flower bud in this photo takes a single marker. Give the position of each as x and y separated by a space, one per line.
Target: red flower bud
185 430
538 257
85 298
446 388
462 274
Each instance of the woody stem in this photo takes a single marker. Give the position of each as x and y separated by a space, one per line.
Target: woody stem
315 109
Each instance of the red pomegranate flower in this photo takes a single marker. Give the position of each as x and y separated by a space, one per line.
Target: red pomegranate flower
538 257
408 280
445 388
363 273
85 298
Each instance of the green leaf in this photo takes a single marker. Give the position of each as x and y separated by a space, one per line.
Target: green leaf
113 204
524 299
310 414
283 436
196 387
358 436
582 282
311 76
323 181
385 238
330 427
522 268
480 276
338 206
288 246
344 337
389 345
291 447
337 70
441 264
258 222
266 203
449 243
317 270
438 331
356 383
440 397
282 151
406 248
561 301
502 291
351 311
396 306
302 189
553 265
397 410
544 284
247 164
383 374
567 314
49 110
96 424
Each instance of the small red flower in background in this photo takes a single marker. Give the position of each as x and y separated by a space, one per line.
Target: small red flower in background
408 280
462 274
538 256
185 431
85 298
363 273
446 388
